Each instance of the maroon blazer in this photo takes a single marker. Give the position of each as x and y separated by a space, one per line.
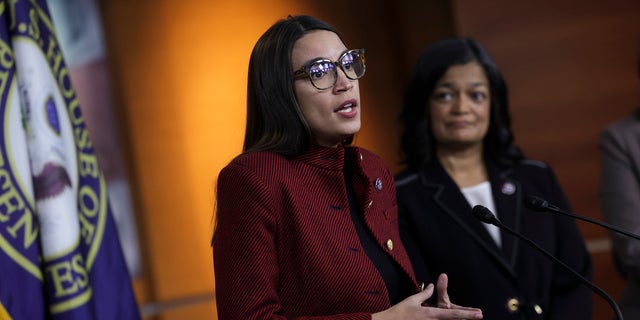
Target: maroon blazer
285 245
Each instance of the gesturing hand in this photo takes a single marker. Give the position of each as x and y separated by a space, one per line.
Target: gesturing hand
412 307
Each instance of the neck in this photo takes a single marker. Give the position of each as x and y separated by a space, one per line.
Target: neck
465 166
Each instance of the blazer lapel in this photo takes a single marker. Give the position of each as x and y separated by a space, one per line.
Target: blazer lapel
448 198
382 223
507 195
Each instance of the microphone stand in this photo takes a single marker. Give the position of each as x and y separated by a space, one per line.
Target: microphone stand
485 215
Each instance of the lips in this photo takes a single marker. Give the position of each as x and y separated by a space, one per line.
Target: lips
347 107
459 124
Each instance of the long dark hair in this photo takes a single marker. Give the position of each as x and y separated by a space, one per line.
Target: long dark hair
418 144
274 119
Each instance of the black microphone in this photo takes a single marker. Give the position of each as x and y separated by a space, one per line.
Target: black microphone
485 215
539 204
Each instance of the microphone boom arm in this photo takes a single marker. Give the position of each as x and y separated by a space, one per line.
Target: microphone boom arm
595 288
602 224
485 215
539 204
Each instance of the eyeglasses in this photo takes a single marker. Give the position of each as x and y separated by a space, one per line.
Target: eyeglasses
323 73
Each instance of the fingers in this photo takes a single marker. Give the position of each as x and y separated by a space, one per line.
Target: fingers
437 313
455 306
425 294
453 311
443 295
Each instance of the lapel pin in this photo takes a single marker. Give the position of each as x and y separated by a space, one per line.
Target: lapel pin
508 188
378 184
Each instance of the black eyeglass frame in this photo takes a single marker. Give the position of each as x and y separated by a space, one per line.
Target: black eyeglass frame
304 71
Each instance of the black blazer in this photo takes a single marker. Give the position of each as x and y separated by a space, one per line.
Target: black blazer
510 282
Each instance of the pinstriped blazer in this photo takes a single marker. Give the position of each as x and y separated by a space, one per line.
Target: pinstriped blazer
285 245
442 235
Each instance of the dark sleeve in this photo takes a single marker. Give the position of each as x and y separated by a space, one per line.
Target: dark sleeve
570 297
409 240
620 198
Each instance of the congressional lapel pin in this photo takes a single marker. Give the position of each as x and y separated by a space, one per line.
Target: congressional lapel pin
508 188
378 184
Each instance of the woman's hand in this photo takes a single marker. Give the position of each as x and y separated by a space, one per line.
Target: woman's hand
412 308
443 296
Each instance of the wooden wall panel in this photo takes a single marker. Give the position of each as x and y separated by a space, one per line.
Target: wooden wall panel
571 70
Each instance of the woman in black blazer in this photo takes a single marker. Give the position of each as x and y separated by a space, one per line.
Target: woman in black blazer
460 152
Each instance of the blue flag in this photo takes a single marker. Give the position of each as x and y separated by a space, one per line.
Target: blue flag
60 257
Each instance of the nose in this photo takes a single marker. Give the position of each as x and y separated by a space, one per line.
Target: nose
342 82
461 104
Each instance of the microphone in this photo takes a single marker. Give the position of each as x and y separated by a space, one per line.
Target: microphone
485 215
540 205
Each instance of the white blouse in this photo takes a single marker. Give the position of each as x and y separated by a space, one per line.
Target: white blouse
480 194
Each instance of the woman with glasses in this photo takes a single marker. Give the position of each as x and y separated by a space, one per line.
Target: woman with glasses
306 223
460 152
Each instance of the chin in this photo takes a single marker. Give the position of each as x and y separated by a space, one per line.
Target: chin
353 129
